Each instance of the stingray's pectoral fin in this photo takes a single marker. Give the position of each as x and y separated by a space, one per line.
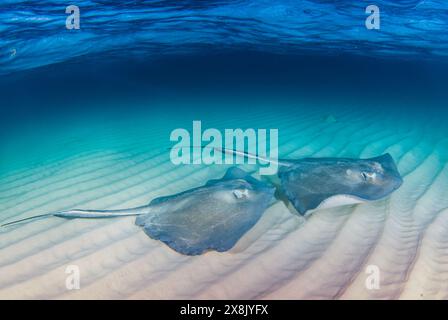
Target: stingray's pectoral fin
180 237
388 163
231 174
188 237
208 218
390 170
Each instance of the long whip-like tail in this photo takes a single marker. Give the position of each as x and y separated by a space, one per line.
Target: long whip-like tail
252 156
85 214
248 155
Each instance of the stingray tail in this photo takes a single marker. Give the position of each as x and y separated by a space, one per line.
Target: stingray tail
85 214
248 155
253 156
25 219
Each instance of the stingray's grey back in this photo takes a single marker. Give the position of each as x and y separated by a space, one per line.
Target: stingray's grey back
309 182
211 217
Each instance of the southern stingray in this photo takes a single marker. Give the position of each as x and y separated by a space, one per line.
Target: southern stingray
317 183
211 217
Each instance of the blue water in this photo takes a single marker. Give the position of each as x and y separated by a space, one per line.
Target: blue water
195 59
33 33
86 116
136 70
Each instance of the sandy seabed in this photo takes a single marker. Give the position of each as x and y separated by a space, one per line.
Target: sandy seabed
283 257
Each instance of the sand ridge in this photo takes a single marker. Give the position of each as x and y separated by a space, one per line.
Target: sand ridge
283 257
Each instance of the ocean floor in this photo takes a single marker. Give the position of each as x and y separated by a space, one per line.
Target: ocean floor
118 163
86 116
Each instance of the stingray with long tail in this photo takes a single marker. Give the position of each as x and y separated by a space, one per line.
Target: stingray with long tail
211 217
318 183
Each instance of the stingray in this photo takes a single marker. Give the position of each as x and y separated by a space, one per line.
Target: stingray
211 217
318 183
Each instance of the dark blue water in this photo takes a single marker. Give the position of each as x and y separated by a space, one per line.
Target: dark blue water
33 33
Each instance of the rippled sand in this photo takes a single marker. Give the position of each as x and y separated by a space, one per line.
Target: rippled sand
284 256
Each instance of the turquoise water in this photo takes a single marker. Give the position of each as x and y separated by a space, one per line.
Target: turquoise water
86 116
74 108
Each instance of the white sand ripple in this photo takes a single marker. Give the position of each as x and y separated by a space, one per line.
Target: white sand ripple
283 257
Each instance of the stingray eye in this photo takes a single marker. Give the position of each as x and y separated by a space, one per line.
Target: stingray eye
367 176
241 193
